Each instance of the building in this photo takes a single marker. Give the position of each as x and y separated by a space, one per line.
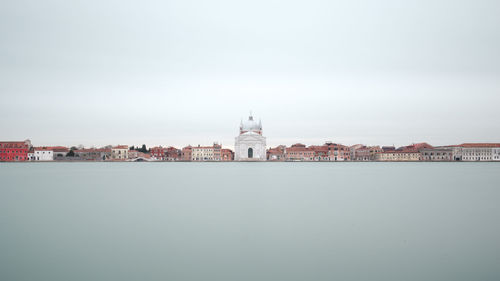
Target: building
299 152
416 147
42 154
404 153
206 153
165 153
250 145
276 154
353 149
456 152
60 152
480 151
186 153
158 153
338 152
172 154
119 152
93 154
31 155
364 153
320 152
398 155
495 153
48 153
436 154
226 154
388 148
11 151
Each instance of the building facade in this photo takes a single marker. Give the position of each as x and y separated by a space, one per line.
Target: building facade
43 154
364 153
338 152
250 145
165 153
436 154
93 154
226 154
12 151
299 152
119 152
60 152
276 154
321 152
480 151
186 153
398 156
206 153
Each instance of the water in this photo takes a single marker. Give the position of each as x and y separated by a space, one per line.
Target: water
249 221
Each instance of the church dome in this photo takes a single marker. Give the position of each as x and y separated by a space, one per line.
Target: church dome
250 125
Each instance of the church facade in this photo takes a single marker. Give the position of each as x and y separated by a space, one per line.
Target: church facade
250 145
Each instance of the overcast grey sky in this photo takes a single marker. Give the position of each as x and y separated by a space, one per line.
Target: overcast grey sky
186 72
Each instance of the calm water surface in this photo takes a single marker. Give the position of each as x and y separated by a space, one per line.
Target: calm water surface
250 221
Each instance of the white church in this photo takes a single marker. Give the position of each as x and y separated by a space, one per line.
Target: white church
250 145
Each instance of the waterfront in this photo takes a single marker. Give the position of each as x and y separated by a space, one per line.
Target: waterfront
249 221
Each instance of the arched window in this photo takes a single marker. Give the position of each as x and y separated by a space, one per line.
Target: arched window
250 152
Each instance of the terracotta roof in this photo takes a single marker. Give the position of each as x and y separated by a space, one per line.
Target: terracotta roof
60 149
120 147
315 148
294 148
415 146
93 150
480 145
43 148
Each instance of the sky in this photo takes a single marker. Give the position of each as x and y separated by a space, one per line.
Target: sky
186 72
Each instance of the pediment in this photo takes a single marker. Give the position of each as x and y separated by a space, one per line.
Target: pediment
243 138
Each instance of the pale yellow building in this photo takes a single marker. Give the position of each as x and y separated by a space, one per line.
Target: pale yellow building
206 153
397 156
119 152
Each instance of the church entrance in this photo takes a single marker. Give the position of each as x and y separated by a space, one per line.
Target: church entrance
250 152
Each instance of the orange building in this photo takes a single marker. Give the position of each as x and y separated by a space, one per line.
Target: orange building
299 152
338 152
226 154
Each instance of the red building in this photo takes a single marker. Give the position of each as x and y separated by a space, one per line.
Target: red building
11 151
165 153
226 154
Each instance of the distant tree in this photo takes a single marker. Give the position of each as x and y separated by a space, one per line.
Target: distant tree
143 149
73 148
132 148
71 153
